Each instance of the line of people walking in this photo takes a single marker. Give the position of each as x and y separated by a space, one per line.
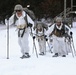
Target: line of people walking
59 32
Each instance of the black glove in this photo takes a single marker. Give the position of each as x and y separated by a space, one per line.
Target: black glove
71 33
33 37
46 39
45 36
29 25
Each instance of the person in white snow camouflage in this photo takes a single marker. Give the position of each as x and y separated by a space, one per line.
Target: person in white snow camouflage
40 29
59 32
20 19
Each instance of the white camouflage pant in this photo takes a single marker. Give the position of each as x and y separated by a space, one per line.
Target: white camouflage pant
42 45
59 45
24 43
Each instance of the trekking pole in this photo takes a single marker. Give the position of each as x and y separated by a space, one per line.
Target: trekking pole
35 47
70 46
73 43
47 42
7 25
49 47
45 47
32 36
71 49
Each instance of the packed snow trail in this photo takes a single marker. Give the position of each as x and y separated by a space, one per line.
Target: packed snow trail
43 65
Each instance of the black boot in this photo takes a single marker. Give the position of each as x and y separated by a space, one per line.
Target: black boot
55 55
42 53
63 55
27 55
23 56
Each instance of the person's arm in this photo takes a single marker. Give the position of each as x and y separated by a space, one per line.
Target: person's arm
50 29
11 20
30 20
67 30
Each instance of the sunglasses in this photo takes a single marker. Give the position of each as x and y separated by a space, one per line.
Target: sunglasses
18 10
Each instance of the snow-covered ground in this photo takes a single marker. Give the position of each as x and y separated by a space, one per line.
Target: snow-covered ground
43 65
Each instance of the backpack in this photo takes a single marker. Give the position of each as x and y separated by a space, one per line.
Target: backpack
30 13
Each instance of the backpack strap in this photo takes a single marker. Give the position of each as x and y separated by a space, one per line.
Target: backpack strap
25 18
21 35
15 18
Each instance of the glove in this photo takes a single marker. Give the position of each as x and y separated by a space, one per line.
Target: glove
71 33
29 25
45 36
33 37
46 39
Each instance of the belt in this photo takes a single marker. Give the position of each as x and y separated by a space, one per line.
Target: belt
21 26
40 35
